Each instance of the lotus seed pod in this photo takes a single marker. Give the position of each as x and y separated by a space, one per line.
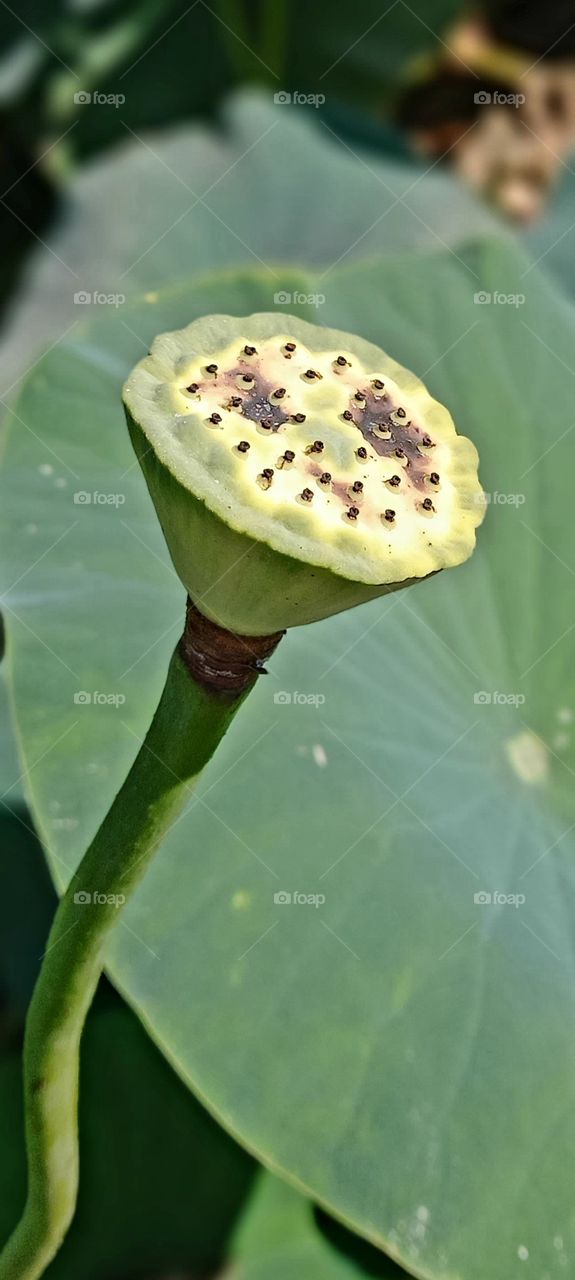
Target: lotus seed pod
272 447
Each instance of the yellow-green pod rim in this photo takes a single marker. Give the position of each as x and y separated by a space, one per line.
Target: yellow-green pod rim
312 441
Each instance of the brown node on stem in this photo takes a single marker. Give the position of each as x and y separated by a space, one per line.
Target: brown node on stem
221 661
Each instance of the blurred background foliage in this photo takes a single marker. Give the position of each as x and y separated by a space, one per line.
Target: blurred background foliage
175 62
197 168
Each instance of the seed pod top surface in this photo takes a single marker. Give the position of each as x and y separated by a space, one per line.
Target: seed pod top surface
313 442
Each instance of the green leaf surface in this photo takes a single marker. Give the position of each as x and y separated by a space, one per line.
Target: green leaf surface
552 239
10 771
278 1238
402 1051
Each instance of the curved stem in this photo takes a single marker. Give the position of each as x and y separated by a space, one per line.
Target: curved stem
274 35
237 38
193 715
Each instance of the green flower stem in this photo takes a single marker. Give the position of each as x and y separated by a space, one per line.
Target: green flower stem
274 35
192 718
237 38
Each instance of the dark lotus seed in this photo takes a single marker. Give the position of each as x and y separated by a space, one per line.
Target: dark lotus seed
250 351
317 446
348 415
400 453
268 473
267 423
192 387
311 373
243 446
325 477
247 377
401 413
341 360
307 495
236 402
427 504
378 384
426 440
215 418
280 393
389 514
434 477
352 513
362 453
212 368
289 455
290 346
394 480
298 417
357 487
358 396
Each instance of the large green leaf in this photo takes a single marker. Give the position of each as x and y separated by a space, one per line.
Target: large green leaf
551 239
403 1052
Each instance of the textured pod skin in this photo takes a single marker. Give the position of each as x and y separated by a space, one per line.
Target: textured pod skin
296 471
